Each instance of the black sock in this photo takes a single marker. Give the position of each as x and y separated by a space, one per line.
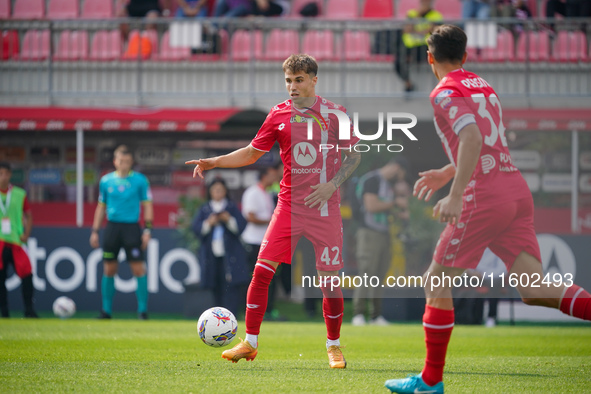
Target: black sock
27 286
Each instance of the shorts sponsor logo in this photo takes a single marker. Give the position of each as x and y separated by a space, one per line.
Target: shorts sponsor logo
469 197
304 154
460 225
449 256
455 241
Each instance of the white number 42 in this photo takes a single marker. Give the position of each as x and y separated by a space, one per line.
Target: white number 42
325 258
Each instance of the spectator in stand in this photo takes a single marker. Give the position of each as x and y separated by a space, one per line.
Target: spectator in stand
568 8
232 8
218 225
149 9
271 7
511 9
479 9
192 9
413 48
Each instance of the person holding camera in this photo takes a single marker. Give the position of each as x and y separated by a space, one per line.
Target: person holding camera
218 225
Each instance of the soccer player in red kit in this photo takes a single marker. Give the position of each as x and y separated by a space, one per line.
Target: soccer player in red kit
489 205
307 130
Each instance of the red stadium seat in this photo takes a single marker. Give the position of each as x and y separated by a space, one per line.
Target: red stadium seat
63 9
242 45
504 50
534 46
172 53
5 9
35 45
10 45
339 9
570 47
404 6
29 9
357 45
383 9
320 44
72 45
450 9
281 44
106 45
97 9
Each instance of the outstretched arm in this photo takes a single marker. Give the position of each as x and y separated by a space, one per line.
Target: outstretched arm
323 191
239 158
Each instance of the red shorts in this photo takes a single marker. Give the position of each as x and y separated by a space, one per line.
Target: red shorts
285 230
507 229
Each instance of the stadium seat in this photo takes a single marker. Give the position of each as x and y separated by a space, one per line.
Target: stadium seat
357 45
29 9
106 45
172 53
339 9
404 6
504 50
570 46
379 9
35 45
281 44
450 9
242 45
97 9
10 45
320 44
5 9
533 46
63 9
72 45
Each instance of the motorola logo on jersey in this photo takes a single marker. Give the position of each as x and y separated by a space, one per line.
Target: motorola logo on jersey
304 154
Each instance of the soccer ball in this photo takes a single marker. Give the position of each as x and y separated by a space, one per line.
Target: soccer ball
64 307
217 327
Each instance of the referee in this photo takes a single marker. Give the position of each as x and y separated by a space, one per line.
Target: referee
120 195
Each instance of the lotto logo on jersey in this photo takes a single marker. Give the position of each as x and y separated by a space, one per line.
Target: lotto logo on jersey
304 154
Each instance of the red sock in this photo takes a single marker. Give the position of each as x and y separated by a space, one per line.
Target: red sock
332 308
257 296
576 302
438 324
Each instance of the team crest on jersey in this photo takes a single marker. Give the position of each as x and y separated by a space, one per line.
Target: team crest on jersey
441 95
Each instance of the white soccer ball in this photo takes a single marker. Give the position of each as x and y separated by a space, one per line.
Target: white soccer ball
217 327
64 307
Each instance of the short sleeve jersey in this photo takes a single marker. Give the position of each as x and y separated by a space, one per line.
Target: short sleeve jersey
123 196
462 98
307 161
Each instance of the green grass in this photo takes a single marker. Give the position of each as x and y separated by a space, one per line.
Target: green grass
83 355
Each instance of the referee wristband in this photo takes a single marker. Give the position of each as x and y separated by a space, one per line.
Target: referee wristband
94 230
148 228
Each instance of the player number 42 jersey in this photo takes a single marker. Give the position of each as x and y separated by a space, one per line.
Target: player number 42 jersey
308 160
462 98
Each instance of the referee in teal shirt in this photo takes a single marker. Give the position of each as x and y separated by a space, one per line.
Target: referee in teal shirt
120 195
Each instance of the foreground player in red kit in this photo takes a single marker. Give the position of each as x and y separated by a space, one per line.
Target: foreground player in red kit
489 205
308 202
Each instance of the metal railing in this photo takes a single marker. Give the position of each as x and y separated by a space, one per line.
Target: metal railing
44 62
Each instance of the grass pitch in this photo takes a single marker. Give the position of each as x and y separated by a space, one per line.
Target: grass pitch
83 355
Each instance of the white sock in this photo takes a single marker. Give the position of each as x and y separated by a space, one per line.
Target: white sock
253 340
330 342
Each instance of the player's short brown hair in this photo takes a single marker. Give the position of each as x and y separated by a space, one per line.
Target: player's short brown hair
301 62
447 43
121 150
